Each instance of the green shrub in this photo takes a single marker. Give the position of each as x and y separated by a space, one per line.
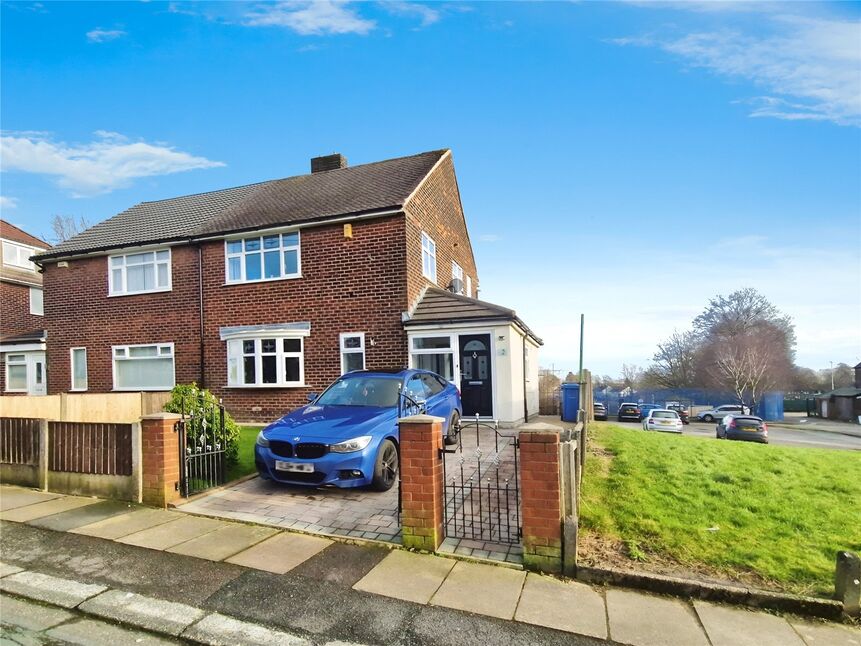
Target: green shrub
190 398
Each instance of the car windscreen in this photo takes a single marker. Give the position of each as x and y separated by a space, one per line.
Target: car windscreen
361 391
664 414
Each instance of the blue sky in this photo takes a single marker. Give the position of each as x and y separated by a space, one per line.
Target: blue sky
627 161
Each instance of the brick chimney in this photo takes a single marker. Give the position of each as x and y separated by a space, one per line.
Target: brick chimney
328 162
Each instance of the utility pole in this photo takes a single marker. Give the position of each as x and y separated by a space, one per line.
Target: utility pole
581 351
832 374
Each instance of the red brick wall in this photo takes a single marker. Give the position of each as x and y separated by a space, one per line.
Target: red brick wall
436 209
541 503
15 317
79 313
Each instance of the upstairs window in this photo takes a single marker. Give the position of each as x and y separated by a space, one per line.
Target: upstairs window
428 257
352 352
16 255
469 286
457 273
139 273
269 257
37 305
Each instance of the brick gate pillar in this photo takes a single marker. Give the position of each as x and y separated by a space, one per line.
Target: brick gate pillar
541 501
421 482
160 457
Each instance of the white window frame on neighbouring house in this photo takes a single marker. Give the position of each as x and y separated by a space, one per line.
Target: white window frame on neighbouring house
158 260
37 302
241 254
345 350
457 273
78 357
240 349
469 286
428 257
15 359
18 255
417 353
163 351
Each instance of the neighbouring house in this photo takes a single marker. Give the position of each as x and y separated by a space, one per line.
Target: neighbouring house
842 404
268 292
22 321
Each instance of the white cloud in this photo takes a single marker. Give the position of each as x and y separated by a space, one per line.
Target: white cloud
109 162
489 237
808 66
104 35
8 202
310 18
427 15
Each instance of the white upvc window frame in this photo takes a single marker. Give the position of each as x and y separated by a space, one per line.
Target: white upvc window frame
241 256
452 350
237 352
40 310
159 355
118 264
345 350
73 388
457 273
17 249
469 286
22 362
428 257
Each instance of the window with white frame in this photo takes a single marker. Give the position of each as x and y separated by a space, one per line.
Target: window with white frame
457 273
434 353
143 367
428 257
469 286
37 305
269 361
16 373
138 273
352 351
17 255
79 368
269 257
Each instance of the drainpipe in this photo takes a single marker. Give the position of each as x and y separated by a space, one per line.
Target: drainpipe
525 403
202 380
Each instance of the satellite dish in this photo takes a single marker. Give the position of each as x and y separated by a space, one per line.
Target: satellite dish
456 286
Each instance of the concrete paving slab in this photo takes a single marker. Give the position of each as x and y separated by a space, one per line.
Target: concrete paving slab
281 553
162 537
50 589
7 568
564 605
222 630
47 508
726 626
125 524
89 632
342 563
13 497
483 589
224 542
645 620
145 612
424 573
824 634
73 518
30 615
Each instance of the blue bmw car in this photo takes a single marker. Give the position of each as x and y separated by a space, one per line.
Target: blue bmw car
348 435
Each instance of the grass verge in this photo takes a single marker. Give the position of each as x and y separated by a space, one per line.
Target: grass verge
245 463
771 515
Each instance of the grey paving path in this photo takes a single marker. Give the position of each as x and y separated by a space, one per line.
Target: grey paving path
126 524
564 605
727 626
644 620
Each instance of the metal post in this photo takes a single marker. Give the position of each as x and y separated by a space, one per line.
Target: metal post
581 348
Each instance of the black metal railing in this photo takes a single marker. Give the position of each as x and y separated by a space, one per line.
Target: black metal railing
202 439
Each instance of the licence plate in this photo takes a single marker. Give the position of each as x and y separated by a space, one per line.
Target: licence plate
294 467
663 421
749 428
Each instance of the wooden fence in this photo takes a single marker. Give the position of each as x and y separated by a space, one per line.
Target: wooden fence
19 441
81 447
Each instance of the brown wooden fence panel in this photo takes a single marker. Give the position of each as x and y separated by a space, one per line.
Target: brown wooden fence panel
19 440
90 447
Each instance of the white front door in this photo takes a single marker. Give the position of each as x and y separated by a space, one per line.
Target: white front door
36 378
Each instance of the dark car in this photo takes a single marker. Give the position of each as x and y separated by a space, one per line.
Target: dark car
645 408
682 411
628 412
746 428
600 411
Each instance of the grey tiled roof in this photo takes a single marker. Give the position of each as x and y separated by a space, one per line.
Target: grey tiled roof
304 198
441 306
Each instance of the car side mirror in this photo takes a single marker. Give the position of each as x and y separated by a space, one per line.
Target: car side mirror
311 396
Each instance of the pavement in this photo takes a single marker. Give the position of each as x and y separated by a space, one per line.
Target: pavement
168 577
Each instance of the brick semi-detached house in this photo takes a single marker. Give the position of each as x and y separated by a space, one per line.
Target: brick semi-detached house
268 292
22 325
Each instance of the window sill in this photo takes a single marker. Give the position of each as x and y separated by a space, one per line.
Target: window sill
265 386
78 390
230 283
161 389
148 291
16 390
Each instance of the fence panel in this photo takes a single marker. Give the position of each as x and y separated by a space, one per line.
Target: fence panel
85 447
19 441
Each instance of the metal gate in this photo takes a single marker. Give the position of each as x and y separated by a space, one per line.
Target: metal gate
481 488
202 442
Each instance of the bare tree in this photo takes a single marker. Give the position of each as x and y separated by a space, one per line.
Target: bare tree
675 362
632 375
65 227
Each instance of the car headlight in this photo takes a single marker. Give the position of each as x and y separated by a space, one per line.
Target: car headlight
348 446
261 439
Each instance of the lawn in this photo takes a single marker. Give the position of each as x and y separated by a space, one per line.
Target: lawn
770 515
245 464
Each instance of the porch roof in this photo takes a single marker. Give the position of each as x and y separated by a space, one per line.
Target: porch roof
441 307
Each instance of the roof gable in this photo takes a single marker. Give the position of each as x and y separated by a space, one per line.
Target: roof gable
10 232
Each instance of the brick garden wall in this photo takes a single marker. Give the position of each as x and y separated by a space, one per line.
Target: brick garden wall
541 500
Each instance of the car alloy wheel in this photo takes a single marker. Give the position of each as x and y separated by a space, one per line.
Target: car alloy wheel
709 419
386 467
453 428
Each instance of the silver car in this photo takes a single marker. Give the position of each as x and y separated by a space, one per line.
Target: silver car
722 411
662 419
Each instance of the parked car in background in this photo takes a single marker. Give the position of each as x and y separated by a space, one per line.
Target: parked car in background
645 408
722 411
662 419
682 411
348 436
628 412
600 410
747 428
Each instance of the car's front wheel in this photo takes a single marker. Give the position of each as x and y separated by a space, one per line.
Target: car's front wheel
386 467
453 428
708 419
